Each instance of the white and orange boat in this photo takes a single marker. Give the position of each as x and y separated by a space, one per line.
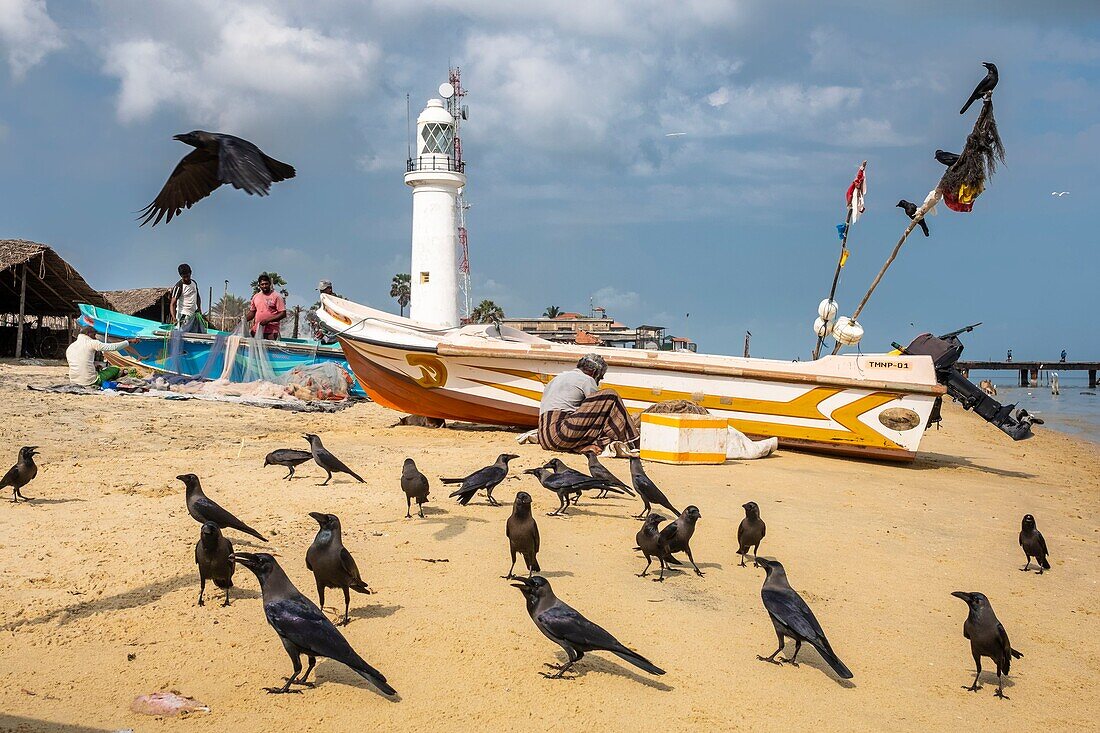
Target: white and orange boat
872 405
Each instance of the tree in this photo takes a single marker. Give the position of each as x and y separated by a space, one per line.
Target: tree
551 312
277 282
486 312
228 310
401 288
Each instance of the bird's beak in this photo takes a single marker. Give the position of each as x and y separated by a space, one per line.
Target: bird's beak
531 471
245 558
523 584
963 595
182 477
178 137
318 516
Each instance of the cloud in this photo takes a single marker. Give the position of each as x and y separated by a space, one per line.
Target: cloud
250 64
28 34
614 299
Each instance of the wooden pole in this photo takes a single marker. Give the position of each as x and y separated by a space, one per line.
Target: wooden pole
22 313
297 310
932 200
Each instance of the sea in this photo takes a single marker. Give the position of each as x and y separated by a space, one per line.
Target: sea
1076 410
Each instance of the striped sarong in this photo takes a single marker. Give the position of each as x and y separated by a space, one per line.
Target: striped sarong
596 423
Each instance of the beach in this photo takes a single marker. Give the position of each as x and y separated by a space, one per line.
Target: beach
99 584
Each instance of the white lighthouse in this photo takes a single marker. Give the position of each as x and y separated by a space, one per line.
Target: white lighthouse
436 174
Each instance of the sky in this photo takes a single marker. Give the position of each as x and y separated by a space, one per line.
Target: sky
578 195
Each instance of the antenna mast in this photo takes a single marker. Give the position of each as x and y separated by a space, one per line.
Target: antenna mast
460 112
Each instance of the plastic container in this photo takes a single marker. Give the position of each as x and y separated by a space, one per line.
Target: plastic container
684 439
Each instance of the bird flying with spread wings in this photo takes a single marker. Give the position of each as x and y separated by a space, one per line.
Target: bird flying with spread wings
216 159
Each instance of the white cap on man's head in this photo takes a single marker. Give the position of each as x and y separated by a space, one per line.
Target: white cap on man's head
324 285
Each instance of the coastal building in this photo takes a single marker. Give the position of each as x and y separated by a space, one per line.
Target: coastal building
599 329
150 303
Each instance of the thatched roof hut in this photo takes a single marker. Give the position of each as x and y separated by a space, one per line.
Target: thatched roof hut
50 284
151 303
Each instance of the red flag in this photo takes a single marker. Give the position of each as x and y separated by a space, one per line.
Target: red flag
856 191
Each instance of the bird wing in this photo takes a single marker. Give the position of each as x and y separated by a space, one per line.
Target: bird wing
669 532
567 624
242 165
215 513
488 476
10 477
194 178
1042 543
348 563
789 609
299 621
535 535
291 454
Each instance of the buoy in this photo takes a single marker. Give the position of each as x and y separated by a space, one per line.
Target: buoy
821 328
827 309
847 331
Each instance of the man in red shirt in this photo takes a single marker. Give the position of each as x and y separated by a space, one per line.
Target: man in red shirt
267 309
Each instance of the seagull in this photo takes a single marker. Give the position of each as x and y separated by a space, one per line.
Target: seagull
1058 193
675 134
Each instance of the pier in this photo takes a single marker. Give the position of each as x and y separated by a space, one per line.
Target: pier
1029 370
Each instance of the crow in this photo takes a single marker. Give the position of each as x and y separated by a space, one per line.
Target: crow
598 470
415 486
22 473
203 509
564 484
557 465
523 535
214 556
751 531
331 563
792 618
985 85
216 159
287 458
302 627
648 490
485 478
570 630
327 461
676 536
1033 544
988 638
910 210
649 542
948 159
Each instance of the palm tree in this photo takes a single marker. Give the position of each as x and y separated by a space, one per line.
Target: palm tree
551 312
401 289
486 312
229 309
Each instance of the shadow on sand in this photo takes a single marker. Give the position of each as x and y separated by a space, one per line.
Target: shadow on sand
18 723
935 461
592 663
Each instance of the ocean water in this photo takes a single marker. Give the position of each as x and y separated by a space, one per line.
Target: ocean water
1076 410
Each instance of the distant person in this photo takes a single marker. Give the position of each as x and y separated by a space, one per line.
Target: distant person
81 357
185 305
267 310
1063 356
575 415
1009 358
319 334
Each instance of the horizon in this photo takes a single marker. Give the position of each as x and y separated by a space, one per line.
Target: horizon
581 188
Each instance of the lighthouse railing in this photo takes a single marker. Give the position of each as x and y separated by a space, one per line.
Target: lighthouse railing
435 163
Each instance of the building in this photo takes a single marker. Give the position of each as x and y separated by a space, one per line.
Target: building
600 329
149 303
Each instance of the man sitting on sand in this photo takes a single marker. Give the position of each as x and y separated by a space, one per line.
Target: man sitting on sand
576 416
81 357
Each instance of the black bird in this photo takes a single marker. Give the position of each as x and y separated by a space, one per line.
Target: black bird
205 510
910 210
598 470
332 564
22 473
948 159
985 85
571 631
649 542
216 159
214 556
1033 544
750 531
557 465
648 490
415 486
565 485
988 638
287 458
523 534
676 535
302 627
327 461
485 478
792 618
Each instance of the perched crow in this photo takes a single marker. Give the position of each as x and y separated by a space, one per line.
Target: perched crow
985 85
948 159
203 509
214 556
571 631
648 490
216 159
485 478
988 638
910 210
287 458
302 627
323 458
331 563
523 535
792 618
415 486
751 531
1033 544
22 473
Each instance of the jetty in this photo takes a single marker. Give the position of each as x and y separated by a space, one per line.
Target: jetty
1029 370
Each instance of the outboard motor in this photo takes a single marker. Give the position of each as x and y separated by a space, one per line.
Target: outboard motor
945 350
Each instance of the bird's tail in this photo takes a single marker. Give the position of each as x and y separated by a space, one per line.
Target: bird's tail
670 559
612 489
967 105
248 530
1016 654
361 588
356 476
372 675
1044 564
637 660
535 565
451 480
834 661
674 510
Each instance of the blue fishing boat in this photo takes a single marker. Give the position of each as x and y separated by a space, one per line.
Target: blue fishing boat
167 350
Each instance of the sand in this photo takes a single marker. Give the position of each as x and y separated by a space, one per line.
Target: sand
98 582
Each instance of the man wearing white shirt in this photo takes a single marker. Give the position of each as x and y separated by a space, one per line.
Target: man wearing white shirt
81 357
